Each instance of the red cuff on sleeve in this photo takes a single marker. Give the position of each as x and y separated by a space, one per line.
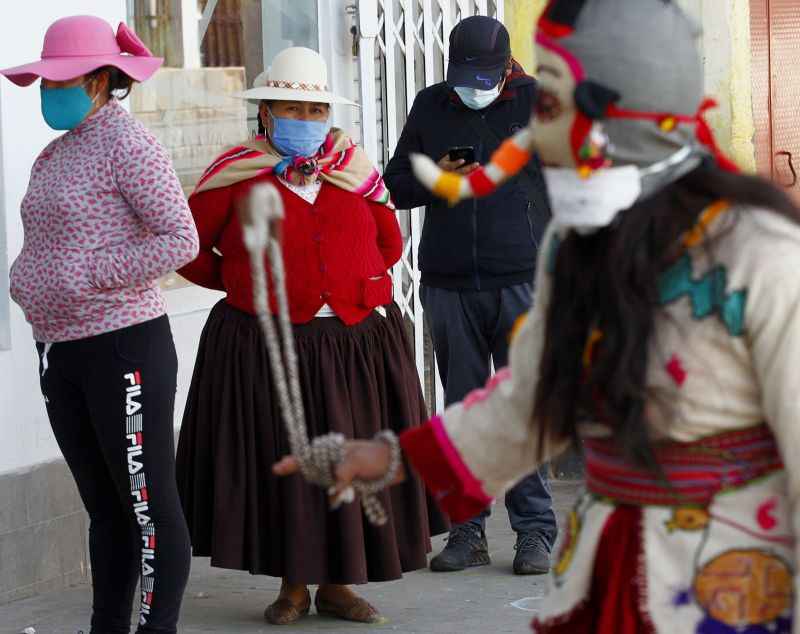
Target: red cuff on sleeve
437 461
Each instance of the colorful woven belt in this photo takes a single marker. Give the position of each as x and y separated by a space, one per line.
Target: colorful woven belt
693 472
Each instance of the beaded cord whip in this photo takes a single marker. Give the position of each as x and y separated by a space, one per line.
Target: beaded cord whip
317 458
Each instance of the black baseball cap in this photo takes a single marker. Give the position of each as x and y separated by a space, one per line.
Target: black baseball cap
479 50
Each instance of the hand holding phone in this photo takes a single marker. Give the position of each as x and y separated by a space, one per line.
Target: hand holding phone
464 153
460 160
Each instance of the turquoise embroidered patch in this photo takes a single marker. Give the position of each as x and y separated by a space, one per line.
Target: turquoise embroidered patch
707 294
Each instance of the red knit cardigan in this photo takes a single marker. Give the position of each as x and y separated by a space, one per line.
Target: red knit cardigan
337 251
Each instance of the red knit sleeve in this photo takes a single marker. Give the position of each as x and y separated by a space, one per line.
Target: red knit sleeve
211 211
434 457
390 241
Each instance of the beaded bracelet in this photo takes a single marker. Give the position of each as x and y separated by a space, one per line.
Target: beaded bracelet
373 509
328 451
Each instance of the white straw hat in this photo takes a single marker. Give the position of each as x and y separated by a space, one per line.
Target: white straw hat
296 74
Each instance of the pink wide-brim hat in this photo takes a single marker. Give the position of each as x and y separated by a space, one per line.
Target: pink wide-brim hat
79 44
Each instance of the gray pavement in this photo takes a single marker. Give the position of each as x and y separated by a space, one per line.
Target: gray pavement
482 600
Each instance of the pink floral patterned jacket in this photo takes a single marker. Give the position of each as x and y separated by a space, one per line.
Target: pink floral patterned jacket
104 217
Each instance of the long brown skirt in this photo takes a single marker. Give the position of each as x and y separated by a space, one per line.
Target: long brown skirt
356 380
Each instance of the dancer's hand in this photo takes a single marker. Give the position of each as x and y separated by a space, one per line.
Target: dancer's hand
363 460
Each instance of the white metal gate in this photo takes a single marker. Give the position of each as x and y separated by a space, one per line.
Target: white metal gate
403 48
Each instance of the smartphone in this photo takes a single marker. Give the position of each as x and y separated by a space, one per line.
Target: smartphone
467 153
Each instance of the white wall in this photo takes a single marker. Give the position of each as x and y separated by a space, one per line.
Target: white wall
24 429
336 46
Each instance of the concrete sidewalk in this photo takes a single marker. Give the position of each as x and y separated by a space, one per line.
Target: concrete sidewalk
482 600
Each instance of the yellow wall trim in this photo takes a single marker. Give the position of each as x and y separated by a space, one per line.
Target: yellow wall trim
520 19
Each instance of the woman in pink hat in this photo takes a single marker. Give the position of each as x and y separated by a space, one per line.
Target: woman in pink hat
104 217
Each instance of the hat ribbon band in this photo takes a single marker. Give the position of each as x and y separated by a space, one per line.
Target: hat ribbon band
294 85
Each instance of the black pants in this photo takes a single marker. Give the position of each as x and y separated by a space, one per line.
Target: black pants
470 330
110 400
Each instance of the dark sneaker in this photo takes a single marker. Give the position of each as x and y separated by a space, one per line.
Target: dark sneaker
533 555
466 547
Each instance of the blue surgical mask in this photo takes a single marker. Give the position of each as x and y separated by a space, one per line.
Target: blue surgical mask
295 137
65 108
477 99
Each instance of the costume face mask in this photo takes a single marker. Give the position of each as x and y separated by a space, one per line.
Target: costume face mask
588 204
556 112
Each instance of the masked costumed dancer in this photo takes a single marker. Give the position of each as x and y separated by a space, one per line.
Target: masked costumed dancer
104 217
340 236
663 340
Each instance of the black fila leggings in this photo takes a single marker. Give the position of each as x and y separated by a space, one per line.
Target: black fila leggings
110 400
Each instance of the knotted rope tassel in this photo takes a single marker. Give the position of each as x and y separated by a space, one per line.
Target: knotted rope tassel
318 458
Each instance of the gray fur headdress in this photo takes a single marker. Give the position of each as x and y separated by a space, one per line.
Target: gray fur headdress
642 76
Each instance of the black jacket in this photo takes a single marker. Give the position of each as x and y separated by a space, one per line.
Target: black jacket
478 244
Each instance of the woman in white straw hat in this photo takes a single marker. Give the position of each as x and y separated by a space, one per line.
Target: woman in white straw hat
340 236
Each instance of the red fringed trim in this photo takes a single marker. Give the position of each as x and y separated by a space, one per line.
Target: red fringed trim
433 456
641 577
571 619
617 598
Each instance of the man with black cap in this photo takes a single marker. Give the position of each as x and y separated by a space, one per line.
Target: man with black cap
478 258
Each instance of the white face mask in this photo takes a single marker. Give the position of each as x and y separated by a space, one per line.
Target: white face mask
588 204
477 99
